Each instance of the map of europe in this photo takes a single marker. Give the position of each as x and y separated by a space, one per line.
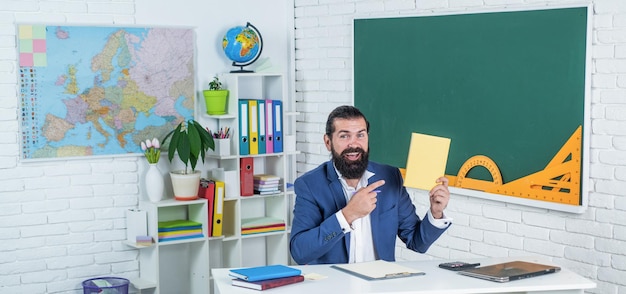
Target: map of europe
89 91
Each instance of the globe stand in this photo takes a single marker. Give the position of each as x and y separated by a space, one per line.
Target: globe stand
241 65
241 70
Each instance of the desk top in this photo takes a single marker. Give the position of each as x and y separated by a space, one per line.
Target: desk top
435 281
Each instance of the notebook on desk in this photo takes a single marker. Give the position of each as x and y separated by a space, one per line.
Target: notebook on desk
510 271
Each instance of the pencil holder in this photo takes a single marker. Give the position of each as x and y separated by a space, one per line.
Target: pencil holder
222 147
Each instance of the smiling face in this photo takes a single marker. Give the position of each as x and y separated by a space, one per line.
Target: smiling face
348 145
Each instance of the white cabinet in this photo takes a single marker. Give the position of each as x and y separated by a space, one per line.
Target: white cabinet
179 266
235 249
184 266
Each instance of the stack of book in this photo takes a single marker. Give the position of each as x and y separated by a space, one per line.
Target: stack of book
265 184
266 277
257 225
179 229
144 241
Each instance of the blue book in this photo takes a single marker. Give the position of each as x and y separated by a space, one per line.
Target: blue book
259 273
181 238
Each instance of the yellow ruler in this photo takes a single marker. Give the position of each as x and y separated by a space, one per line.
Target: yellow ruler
558 182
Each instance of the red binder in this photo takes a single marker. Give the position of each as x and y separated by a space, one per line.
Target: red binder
246 176
207 191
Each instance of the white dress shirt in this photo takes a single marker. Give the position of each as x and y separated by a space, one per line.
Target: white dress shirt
361 241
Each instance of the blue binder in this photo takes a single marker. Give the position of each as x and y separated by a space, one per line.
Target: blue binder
244 143
262 128
278 125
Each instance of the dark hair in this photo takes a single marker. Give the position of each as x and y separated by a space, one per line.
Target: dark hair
344 112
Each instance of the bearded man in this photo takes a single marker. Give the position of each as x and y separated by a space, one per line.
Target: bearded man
349 209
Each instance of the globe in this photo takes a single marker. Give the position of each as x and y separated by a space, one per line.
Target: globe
243 45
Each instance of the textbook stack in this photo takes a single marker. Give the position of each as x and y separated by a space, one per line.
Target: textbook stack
266 277
257 225
265 184
179 230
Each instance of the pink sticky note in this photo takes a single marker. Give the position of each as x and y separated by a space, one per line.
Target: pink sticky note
39 45
26 59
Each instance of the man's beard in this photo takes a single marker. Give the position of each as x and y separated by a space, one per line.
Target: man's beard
350 169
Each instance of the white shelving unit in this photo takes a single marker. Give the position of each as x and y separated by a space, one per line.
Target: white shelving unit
180 266
184 266
234 249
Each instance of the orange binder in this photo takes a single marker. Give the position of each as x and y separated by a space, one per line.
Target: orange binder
246 176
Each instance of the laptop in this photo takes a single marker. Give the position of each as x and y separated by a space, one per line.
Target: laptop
510 271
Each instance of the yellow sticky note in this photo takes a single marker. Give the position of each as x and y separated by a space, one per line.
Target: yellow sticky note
428 156
25 32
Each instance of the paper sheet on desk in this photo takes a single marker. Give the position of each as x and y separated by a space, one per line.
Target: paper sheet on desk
377 270
428 156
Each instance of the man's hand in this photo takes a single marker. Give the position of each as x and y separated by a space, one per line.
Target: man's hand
439 197
362 202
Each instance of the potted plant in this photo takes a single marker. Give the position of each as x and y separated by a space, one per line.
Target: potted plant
190 141
216 97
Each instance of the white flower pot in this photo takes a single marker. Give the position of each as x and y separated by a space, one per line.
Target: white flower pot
185 186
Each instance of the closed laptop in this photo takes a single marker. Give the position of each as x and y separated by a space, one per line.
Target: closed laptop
510 271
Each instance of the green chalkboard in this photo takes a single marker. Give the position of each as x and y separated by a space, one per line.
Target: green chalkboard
508 85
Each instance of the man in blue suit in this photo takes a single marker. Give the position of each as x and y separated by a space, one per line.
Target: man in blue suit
351 210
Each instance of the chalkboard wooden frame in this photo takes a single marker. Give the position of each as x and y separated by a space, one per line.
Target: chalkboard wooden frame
424 74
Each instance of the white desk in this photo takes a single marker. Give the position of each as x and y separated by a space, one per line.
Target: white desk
436 281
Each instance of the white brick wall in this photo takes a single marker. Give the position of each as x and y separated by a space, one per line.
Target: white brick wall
61 222
591 243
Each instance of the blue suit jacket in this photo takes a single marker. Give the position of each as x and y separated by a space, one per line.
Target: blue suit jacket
316 236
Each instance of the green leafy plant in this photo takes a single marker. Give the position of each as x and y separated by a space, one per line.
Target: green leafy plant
191 141
215 84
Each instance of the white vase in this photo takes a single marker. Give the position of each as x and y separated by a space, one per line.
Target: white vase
154 183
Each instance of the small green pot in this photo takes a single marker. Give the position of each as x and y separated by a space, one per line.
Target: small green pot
216 101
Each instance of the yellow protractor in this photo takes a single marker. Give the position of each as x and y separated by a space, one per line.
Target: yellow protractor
558 182
462 181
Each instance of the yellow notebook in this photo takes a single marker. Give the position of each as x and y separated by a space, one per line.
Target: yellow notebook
428 156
